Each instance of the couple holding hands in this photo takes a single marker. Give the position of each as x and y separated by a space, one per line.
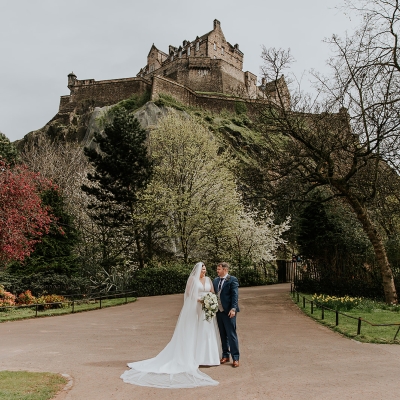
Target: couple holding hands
197 341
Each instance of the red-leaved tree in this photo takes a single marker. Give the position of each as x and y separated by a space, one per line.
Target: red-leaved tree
23 218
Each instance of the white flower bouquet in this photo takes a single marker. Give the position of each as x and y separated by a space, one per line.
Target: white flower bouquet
209 305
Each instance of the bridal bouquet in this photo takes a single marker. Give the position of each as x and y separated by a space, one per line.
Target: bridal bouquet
209 305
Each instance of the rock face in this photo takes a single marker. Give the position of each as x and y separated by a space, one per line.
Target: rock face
82 126
148 116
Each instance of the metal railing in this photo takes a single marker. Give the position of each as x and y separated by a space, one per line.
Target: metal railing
74 300
296 295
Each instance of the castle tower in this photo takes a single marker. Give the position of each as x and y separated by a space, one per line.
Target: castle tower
71 80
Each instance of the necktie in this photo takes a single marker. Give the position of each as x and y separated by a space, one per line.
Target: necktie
221 280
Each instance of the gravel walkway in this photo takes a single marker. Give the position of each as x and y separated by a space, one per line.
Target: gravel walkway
284 354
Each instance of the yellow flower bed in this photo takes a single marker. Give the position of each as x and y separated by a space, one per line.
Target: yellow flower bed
337 303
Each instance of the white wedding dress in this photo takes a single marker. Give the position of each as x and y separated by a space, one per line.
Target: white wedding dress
208 344
195 342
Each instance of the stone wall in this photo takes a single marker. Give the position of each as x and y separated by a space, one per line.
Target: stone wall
162 85
174 89
102 93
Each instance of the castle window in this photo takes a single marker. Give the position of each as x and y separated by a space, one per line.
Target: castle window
215 46
188 51
151 68
180 54
222 50
197 46
215 57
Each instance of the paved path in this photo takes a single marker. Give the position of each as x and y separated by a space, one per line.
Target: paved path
284 354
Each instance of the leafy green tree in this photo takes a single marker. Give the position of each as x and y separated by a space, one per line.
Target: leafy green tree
8 151
121 169
194 200
330 235
192 191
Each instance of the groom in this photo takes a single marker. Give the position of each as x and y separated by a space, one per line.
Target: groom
226 287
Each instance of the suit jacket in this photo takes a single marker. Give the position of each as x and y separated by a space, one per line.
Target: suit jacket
229 293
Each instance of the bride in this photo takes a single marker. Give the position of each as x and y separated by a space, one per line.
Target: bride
195 342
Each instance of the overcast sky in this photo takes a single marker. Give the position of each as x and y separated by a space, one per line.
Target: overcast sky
41 41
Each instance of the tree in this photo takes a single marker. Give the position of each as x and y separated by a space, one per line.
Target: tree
194 200
192 191
8 152
257 237
23 217
55 252
345 141
121 169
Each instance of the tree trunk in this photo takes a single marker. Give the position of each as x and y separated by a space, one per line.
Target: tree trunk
139 249
379 248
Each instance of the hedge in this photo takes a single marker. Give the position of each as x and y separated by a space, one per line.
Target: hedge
156 281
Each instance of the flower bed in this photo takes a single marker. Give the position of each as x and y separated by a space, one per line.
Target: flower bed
6 298
344 303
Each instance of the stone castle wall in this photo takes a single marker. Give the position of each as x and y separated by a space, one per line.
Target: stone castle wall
103 93
162 85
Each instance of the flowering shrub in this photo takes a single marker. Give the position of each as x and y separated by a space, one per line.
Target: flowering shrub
337 303
6 298
52 298
26 298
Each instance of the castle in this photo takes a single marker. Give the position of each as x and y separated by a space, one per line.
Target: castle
206 72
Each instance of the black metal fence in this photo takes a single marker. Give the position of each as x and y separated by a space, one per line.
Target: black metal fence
315 305
293 271
337 279
72 301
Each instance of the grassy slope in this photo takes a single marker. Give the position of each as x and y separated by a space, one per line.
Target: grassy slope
237 135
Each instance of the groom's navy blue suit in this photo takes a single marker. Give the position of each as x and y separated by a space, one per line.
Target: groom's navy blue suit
229 296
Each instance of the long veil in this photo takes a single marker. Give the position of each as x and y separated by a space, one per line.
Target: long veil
175 366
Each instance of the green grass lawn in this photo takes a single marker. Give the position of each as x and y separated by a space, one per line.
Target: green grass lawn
13 314
348 327
21 385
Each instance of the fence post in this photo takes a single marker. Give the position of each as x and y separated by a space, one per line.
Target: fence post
100 300
322 312
304 302
398 329
36 306
312 307
337 318
73 305
359 326
126 297
298 299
